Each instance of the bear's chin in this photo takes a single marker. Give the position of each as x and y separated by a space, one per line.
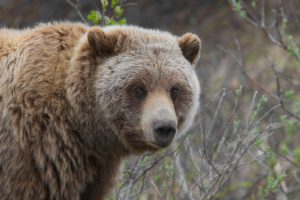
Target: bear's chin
138 144
142 147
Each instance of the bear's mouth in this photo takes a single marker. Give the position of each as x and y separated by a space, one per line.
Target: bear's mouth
138 143
155 146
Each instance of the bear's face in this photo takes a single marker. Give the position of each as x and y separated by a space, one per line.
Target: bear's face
145 84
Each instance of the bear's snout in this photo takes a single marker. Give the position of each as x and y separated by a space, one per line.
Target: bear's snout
159 119
164 132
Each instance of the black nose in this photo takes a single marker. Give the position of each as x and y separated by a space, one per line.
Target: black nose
164 132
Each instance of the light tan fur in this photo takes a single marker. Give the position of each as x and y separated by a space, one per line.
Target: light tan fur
158 105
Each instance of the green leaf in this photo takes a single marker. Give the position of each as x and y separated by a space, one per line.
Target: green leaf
272 184
237 7
104 4
236 124
297 155
157 179
284 24
284 149
114 3
238 92
293 49
291 126
272 160
110 22
119 11
289 94
122 21
95 17
297 105
258 142
253 4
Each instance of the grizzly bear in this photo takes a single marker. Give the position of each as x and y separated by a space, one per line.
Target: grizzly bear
76 100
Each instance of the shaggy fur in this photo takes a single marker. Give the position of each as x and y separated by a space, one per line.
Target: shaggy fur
68 115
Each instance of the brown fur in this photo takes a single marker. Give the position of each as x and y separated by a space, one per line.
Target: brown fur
64 126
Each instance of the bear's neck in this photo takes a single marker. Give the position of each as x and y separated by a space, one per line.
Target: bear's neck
103 149
103 139
79 84
106 153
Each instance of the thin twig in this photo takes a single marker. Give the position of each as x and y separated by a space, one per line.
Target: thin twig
75 6
280 96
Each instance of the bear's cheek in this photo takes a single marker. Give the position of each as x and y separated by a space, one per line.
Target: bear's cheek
183 106
131 131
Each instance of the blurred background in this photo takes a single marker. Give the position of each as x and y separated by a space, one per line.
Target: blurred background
245 142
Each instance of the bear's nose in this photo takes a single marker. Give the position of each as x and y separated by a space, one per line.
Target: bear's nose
164 132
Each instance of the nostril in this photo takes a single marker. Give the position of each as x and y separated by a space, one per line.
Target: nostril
165 130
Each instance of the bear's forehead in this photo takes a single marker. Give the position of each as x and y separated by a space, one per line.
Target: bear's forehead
138 37
154 58
151 69
150 54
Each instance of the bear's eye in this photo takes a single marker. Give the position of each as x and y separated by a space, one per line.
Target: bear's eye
140 92
174 92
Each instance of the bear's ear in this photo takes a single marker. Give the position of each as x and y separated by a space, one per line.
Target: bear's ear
105 43
190 46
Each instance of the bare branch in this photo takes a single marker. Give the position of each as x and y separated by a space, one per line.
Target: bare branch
280 96
75 6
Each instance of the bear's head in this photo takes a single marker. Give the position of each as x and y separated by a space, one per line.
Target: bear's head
145 83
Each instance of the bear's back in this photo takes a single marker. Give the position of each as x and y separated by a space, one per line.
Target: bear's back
34 59
9 37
